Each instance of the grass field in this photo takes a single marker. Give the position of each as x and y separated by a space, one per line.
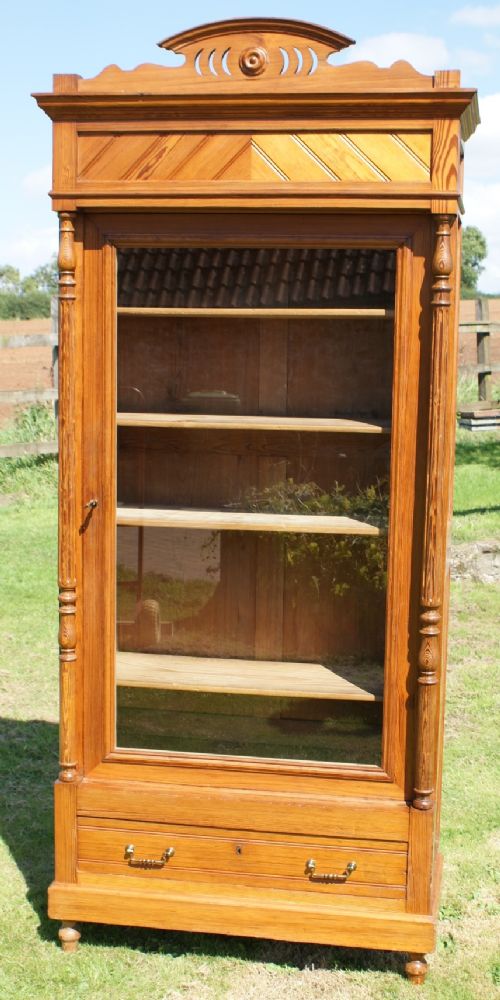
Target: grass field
127 964
477 486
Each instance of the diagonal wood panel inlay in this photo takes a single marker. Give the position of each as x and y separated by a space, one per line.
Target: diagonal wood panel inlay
261 155
148 162
316 158
113 161
294 157
187 147
90 152
211 157
279 158
389 156
340 156
251 165
419 144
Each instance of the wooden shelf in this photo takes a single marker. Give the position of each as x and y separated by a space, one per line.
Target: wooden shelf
209 421
214 520
254 313
269 678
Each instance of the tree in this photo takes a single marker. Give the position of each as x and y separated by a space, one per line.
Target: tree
474 250
43 279
10 279
31 305
27 298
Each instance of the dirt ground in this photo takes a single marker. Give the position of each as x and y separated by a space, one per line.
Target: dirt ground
478 561
24 327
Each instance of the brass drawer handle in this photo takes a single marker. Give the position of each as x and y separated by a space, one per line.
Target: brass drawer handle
148 862
329 876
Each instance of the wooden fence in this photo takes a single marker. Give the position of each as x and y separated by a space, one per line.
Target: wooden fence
483 413
483 329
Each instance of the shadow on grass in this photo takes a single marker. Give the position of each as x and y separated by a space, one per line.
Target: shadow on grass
28 760
475 510
478 450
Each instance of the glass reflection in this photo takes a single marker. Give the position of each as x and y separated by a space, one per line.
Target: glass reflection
265 635
277 728
283 633
164 578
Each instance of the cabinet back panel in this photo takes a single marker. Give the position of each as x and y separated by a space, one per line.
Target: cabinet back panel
309 367
158 467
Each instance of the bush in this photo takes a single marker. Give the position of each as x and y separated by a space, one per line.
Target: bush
334 562
28 305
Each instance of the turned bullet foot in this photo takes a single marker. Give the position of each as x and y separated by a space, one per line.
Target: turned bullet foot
69 936
416 969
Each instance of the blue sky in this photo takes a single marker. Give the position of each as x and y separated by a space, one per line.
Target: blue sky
55 37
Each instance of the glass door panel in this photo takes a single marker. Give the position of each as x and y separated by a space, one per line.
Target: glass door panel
253 429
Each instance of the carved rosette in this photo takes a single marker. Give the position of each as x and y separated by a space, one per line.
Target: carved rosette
253 61
433 575
67 514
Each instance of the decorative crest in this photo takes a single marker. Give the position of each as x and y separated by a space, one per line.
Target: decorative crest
255 46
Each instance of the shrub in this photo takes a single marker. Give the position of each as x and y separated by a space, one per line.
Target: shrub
28 305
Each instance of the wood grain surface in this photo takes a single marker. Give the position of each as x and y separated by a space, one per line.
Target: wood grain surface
205 421
211 520
243 910
258 677
256 141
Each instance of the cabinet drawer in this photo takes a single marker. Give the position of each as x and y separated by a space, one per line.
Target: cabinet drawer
242 856
301 815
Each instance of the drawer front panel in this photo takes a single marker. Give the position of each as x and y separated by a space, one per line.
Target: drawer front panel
260 811
241 855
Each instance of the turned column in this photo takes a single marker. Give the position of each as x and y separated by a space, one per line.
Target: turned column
67 501
435 527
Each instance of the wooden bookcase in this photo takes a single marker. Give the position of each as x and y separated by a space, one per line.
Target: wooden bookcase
258 316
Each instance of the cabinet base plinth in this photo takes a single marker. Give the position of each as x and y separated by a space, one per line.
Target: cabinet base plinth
243 911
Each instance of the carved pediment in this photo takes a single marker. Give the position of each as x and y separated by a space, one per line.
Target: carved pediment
266 69
254 46
252 53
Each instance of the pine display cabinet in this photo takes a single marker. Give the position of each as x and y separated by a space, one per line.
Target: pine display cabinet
259 269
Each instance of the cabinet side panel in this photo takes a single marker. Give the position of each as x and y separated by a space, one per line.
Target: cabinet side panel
64 146
65 832
445 154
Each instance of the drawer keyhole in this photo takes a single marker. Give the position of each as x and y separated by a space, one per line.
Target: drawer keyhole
239 850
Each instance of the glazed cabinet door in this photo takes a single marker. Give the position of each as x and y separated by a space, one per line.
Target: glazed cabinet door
256 501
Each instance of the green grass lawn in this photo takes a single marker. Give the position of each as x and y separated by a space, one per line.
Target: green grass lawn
476 507
128 964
